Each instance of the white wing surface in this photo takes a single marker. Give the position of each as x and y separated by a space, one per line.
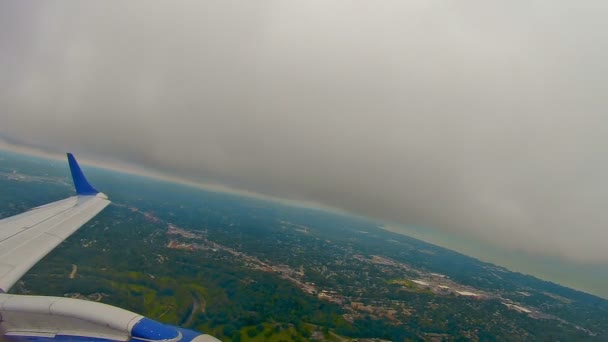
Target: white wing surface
28 237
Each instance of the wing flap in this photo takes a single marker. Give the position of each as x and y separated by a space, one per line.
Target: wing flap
18 223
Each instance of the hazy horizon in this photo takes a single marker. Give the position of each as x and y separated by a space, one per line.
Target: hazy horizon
588 280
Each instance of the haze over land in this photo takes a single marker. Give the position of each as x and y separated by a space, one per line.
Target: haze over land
482 120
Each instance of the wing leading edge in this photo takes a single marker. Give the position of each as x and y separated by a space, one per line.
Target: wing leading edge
28 237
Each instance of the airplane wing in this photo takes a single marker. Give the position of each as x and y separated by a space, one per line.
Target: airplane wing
25 239
28 237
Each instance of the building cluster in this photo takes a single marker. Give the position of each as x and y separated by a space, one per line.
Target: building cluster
355 305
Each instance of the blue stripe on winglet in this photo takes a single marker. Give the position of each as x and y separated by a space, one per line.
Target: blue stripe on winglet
80 182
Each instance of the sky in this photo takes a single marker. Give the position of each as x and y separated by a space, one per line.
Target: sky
483 120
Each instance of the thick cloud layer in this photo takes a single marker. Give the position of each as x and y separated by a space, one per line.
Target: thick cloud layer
474 117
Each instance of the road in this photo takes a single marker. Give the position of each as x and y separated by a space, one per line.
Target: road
74 270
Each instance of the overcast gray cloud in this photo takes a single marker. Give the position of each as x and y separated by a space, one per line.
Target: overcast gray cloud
482 118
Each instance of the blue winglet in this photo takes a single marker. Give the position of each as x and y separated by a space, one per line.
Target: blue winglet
80 182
